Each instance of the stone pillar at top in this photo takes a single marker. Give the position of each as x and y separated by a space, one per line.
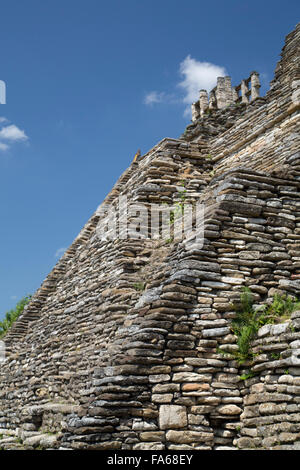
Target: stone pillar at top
212 99
203 101
228 91
255 85
224 92
195 111
221 93
244 92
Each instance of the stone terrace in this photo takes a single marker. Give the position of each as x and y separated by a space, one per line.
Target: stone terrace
119 348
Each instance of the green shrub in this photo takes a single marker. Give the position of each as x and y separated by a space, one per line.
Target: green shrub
248 320
12 315
245 325
282 306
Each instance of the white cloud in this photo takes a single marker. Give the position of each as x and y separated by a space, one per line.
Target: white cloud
198 76
160 97
154 97
10 134
3 147
60 252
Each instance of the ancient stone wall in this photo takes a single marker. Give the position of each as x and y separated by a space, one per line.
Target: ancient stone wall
120 347
270 417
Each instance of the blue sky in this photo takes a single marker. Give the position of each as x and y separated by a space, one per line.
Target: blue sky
88 83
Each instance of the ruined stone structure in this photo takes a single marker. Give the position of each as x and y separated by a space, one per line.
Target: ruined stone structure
224 95
118 349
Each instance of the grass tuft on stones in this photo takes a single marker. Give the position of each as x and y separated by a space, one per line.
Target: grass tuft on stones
249 319
139 286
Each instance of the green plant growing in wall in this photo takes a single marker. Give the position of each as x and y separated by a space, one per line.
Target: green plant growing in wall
282 307
178 208
249 319
247 376
275 356
245 325
12 315
139 286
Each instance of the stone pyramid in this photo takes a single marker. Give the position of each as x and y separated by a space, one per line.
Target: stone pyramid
120 346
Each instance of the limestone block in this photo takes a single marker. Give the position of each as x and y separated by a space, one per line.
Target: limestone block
295 344
264 331
152 436
191 377
148 446
33 441
188 437
214 332
48 441
230 410
279 329
293 286
172 417
294 359
162 398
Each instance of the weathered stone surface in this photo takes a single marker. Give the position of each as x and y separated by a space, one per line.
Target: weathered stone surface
172 417
214 332
191 377
153 436
230 410
148 446
188 437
